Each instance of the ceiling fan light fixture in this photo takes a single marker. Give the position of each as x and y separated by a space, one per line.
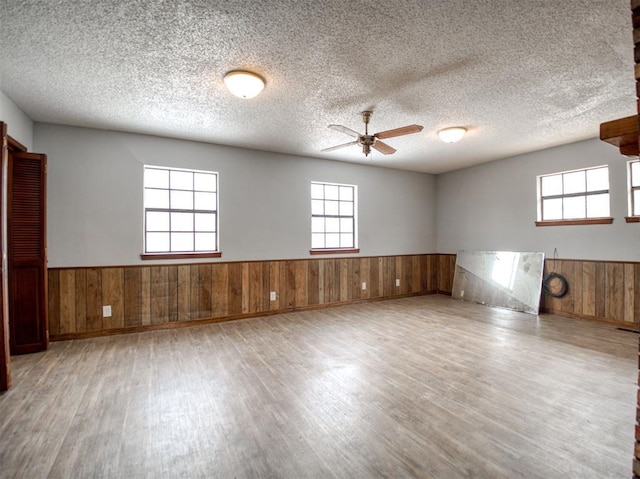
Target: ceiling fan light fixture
244 84
453 134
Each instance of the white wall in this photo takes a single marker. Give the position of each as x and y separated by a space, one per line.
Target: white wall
19 125
493 207
95 198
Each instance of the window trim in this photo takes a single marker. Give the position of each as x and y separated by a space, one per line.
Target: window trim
181 254
585 194
630 190
333 250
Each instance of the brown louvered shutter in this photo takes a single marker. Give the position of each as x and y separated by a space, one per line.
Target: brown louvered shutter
26 234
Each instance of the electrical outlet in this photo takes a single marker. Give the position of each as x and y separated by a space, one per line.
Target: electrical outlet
106 311
397 282
272 296
364 285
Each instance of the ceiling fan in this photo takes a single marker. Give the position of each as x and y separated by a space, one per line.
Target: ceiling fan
368 141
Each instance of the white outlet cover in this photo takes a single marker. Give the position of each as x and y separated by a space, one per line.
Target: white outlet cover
364 285
397 282
106 311
272 296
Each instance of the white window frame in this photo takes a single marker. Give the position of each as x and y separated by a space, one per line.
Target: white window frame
353 248
586 194
630 190
174 252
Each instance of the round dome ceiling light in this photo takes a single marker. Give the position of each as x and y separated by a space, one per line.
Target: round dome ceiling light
244 84
453 134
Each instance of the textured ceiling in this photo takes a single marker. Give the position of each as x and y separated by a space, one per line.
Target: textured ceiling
520 76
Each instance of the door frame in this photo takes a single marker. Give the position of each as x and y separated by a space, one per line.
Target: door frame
5 358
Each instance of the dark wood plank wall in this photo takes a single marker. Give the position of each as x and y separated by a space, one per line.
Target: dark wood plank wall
603 290
147 297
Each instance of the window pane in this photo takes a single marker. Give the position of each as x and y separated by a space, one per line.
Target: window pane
346 193
317 207
206 201
181 241
157 242
346 208
574 207
598 179
635 173
206 242
156 198
317 240
205 222
181 180
317 191
331 192
551 185
598 206
346 240
346 225
204 182
333 225
181 221
157 221
331 208
317 225
552 209
156 178
574 182
333 240
181 200
636 202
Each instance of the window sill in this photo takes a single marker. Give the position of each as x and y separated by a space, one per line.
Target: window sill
209 254
632 219
335 251
586 221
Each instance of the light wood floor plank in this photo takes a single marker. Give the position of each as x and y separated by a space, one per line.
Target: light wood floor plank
423 387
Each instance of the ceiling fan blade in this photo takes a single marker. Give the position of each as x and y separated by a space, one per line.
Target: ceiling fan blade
345 130
403 130
331 148
383 148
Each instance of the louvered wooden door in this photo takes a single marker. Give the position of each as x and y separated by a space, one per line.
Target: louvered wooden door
26 232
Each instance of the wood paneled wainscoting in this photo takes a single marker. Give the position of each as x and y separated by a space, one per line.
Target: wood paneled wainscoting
602 290
158 296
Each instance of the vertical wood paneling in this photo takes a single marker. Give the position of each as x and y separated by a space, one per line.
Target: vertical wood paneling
172 292
184 293
245 288
94 299
133 296
67 301
301 282
365 277
614 302
112 289
588 288
235 288
220 273
161 294
145 294
313 287
53 301
629 278
274 284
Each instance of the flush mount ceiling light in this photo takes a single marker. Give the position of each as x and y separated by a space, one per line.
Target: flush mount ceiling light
453 134
244 84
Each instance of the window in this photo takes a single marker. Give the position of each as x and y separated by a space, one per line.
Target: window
574 197
634 191
180 211
333 217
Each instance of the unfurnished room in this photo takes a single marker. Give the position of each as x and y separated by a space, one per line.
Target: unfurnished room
329 239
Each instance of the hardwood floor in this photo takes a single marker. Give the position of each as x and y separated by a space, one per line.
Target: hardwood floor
416 387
